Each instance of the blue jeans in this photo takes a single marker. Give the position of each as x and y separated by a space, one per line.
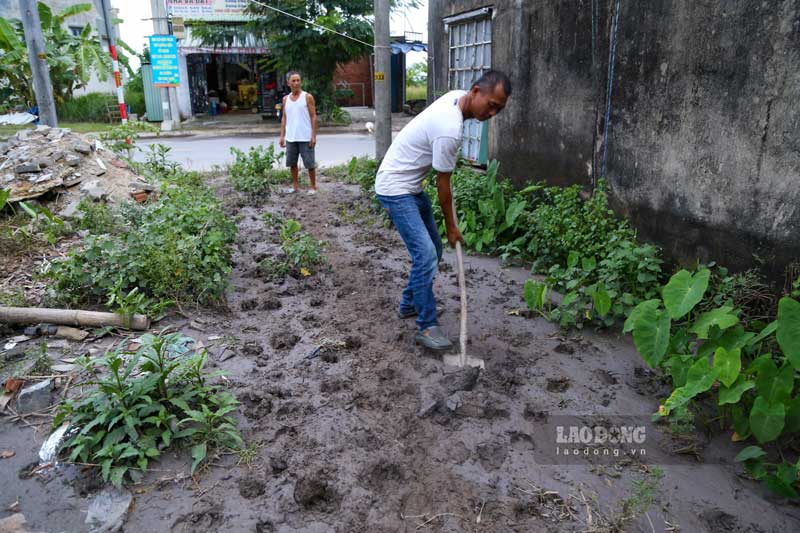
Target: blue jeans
412 215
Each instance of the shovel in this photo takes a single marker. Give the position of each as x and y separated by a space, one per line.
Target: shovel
462 359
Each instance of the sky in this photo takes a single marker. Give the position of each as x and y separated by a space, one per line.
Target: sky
134 31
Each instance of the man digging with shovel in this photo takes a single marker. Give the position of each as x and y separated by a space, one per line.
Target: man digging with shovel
431 140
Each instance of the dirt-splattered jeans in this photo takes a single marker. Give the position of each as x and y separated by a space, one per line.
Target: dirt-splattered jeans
412 215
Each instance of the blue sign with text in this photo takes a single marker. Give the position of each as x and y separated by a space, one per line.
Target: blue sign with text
164 60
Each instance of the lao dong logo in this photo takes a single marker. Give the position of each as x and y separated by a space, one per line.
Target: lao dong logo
599 435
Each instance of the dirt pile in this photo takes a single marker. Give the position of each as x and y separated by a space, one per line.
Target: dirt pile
35 162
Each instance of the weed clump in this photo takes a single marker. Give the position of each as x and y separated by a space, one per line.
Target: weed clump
144 402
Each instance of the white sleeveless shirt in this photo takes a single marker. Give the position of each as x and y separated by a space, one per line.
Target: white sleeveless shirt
298 120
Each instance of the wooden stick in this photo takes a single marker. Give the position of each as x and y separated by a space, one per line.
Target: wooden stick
69 317
462 287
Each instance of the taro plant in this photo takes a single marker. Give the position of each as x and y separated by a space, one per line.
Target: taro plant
144 402
488 209
751 375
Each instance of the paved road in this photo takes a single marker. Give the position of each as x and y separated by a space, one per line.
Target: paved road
201 153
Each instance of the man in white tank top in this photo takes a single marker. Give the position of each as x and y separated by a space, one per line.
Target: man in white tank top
299 132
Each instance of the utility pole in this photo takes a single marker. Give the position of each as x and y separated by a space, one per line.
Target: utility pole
383 80
112 49
40 71
169 99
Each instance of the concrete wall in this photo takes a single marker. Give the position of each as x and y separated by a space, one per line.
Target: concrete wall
704 143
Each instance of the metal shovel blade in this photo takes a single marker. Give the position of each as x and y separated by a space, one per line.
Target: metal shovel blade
461 362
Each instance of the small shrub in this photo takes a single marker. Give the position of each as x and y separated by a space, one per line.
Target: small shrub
176 248
97 217
122 138
145 402
302 254
255 172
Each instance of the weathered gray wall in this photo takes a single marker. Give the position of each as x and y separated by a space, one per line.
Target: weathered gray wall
704 144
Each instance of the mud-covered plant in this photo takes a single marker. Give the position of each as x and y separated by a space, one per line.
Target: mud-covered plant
303 252
535 293
644 492
144 402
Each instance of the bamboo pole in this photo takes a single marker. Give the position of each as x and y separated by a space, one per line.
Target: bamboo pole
71 317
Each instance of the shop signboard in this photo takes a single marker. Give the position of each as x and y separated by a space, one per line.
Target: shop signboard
208 9
164 59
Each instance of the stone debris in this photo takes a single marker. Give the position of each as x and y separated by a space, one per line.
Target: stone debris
108 510
34 397
37 161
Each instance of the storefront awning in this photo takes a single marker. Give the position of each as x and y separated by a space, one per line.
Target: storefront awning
241 42
404 48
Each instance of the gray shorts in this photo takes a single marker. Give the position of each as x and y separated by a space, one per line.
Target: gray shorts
300 148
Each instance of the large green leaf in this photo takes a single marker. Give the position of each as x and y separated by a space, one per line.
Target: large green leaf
601 300
199 452
767 419
643 309
678 367
651 334
773 384
70 11
721 317
514 211
793 415
731 339
788 332
684 291
729 364
9 40
698 380
734 393
751 452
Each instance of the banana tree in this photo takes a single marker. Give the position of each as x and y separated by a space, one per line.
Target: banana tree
71 58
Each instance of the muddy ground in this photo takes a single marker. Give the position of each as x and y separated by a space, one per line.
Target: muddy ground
373 434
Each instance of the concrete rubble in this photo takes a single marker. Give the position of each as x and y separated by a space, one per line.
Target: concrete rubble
35 162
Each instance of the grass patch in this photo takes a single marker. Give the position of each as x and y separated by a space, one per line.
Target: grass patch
416 92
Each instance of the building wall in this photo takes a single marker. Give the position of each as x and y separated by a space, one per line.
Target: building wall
358 74
703 150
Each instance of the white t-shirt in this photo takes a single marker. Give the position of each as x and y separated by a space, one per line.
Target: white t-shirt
431 140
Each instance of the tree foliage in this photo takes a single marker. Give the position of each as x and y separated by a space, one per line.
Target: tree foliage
296 45
71 58
418 73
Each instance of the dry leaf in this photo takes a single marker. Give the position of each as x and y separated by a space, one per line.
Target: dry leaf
6 454
13 385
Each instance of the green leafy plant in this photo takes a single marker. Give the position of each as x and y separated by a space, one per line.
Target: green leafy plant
97 217
122 138
45 221
177 248
255 171
705 351
302 254
144 402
